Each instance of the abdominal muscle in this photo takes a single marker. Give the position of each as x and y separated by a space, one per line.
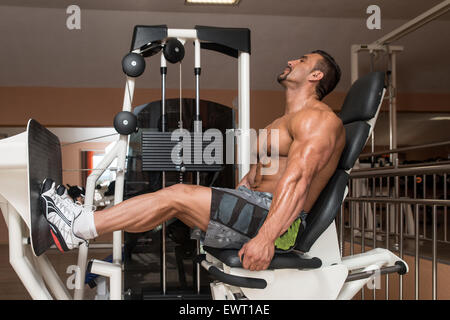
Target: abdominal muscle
265 182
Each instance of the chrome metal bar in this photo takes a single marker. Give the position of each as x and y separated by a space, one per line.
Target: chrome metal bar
415 186
426 164
362 209
405 236
445 208
434 255
396 206
397 150
400 171
417 257
197 72
373 147
341 230
424 194
374 244
374 194
434 186
352 227
416 233
401 252
393 102
406 186
437 202
391 136
362 206
367 274
163 247
387 242
163 71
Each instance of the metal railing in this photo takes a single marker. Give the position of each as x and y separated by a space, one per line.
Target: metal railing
403 209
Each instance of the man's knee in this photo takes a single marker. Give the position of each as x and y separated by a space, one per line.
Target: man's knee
177 189
186 197
178 194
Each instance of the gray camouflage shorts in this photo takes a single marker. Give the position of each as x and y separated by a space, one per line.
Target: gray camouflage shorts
236 216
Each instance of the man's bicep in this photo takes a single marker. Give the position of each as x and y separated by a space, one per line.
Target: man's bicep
312 150
309 156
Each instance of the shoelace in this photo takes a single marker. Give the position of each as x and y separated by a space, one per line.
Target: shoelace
61 203
74 210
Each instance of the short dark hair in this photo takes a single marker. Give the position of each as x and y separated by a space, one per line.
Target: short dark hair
331 74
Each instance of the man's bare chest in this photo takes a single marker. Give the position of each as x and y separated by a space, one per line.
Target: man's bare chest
275 138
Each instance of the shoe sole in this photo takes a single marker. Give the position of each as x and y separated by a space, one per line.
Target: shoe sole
58 239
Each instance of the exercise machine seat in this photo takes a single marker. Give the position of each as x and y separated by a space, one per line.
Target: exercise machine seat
289 260
358 113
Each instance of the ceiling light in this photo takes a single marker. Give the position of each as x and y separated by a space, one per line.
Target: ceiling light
440 118
220 2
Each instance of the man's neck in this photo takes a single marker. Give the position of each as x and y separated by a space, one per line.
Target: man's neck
297 99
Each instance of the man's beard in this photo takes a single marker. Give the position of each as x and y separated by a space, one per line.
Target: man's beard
283 76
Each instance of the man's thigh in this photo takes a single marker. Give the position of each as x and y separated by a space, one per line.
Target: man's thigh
192 204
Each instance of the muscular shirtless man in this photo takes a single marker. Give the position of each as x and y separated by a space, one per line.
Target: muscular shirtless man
264 213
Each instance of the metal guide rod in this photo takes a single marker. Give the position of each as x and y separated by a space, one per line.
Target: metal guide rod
244 113
393 106
197 129
163 182
434 255
163 92
416 244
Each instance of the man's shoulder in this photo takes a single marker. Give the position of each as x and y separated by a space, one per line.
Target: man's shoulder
315 115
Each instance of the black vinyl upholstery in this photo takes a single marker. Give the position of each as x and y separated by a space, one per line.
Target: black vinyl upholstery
356 134
360 105
324 211
280 261
363 98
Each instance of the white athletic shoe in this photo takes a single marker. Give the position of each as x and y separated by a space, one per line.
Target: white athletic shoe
83 213
60 215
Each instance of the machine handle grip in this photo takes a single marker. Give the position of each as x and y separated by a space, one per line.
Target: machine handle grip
238 281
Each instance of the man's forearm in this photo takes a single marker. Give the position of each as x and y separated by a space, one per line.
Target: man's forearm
288 202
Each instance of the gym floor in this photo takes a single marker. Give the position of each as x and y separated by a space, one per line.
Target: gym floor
142 271
11 288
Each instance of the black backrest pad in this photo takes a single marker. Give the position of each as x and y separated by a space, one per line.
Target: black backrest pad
356 134
323 211
361 104
363 99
